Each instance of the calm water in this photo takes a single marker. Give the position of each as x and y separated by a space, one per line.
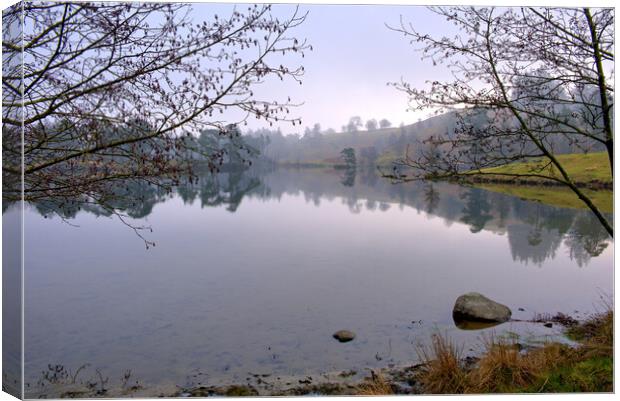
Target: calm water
253 274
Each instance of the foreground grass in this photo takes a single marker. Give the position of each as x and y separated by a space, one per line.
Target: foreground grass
503 368
561 197
583 168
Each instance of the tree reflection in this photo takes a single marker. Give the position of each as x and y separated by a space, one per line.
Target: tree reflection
223 189
348 177
431 196
586 239
476 209
534 231
531 244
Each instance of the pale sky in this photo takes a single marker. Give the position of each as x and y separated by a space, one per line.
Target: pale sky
355 55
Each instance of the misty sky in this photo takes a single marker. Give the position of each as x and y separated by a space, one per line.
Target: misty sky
355 55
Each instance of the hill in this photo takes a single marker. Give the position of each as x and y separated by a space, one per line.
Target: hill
371 147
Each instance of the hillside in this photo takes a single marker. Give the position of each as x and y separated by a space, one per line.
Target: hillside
371 147
385 140
375 147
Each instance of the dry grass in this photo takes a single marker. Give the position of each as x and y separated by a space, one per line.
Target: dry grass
596 335
503 368
375 385
442 371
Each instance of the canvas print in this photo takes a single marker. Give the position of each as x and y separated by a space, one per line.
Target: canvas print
220 199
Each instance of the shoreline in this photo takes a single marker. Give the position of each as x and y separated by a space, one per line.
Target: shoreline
418 378
595 185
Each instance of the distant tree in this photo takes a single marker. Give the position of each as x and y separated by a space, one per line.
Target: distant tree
313 135
384 123
371 125
354 124
539 76
316 129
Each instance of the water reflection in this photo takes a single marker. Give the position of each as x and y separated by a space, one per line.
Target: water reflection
225 189
474 325
348 178
254 272
476 209
431 196
534 231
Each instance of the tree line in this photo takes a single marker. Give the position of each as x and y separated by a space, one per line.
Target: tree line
96 93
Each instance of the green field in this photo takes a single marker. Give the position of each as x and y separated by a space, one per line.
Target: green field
582 168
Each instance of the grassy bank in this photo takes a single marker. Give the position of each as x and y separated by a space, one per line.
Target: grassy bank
590 169
505 368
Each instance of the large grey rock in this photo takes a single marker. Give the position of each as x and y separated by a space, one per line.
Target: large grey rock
344 336
476 307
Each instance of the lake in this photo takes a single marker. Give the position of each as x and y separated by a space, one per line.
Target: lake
252 274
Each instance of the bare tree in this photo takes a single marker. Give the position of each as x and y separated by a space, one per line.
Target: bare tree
527 83
105 93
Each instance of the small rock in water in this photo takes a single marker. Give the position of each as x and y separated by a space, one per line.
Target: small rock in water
521 310
344 336
548 325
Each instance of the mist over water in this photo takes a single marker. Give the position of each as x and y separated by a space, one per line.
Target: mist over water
253 272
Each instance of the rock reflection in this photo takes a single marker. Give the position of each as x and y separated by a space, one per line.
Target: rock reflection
471 325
